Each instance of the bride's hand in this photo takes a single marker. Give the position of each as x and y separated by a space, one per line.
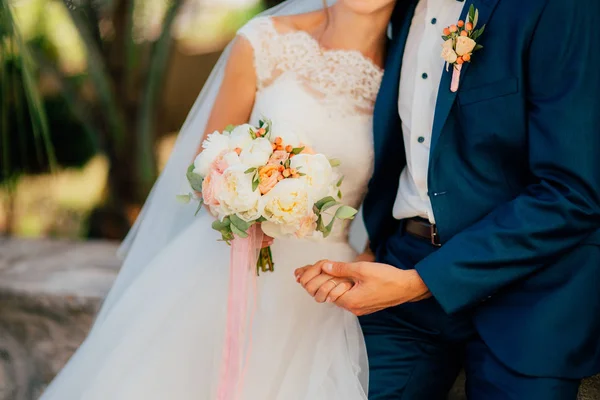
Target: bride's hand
323 287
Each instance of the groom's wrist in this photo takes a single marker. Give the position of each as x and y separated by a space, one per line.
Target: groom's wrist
418 290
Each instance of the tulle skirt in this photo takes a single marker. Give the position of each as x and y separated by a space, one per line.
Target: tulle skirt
163 339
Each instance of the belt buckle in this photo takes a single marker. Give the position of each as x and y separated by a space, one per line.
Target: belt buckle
435 238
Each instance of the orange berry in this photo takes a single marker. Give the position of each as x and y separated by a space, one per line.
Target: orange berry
286 173
453 28
466 57
238 151
261 132
278 140
292 155
464 33
446 31
289 148
460 61
281 168
274 146
461 23
279 147
295 176
469 26
293 171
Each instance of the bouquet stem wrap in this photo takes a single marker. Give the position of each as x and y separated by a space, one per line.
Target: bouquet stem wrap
242 291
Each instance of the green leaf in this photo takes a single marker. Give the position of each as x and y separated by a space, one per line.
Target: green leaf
261 219
334 162
319 204
340 181
478 47
200 204
194 179
328 228
255 184
339 194
239 223
478 33
298 150
328 205
320 226
220 225
238 232
191 168
184 198
345 212
471 13
229 128
250 170
476 18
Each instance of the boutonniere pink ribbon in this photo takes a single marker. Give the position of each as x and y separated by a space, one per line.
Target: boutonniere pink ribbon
460 41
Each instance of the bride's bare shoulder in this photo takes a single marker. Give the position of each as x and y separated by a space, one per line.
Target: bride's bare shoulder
307 22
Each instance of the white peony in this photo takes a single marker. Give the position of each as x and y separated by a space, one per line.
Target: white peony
213 146
286 133
236 194
257 153
319 177
285 207
240 136
464 45
448 53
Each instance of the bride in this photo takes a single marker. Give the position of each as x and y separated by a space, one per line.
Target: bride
159 335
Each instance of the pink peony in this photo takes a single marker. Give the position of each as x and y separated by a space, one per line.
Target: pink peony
211 186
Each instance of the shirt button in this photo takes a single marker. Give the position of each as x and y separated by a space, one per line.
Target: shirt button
420 139
424 76
433 21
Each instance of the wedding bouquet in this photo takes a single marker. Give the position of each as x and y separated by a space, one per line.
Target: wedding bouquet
248 175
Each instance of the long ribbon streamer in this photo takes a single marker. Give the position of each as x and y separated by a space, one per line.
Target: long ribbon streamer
242 288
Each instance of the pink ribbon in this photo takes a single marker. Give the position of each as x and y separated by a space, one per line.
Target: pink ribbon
455 78
242 287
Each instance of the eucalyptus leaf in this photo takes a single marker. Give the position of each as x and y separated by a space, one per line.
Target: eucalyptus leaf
220 225
239 223
184 198
191 168
328 205
195 181
328 228
238 232
345 212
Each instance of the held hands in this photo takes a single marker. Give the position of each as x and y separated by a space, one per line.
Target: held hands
361 287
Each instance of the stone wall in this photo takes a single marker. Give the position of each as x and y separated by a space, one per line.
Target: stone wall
49 292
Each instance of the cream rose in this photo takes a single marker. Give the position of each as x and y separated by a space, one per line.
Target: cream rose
214 145
448 53
257 153
236 195
285 207
464 45
318 174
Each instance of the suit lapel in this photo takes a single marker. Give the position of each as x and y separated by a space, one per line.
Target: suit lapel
446 97
385 118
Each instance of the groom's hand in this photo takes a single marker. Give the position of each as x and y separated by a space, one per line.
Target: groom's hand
376 286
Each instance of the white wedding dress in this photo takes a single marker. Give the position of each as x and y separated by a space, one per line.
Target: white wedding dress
162 340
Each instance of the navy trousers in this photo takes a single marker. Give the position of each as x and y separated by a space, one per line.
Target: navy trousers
416 350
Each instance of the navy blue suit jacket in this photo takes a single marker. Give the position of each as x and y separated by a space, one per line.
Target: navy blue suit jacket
514 181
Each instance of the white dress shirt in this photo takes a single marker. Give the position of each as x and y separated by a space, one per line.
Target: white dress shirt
422 68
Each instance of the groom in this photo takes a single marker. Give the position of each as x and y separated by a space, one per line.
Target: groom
484 208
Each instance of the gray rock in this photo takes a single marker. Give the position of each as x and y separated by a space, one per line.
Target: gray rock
49 292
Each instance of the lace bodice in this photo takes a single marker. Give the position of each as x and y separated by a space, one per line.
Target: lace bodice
325 96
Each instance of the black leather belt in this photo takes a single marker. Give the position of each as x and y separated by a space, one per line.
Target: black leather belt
422 229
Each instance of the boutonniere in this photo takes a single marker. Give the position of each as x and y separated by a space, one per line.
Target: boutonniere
460 41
